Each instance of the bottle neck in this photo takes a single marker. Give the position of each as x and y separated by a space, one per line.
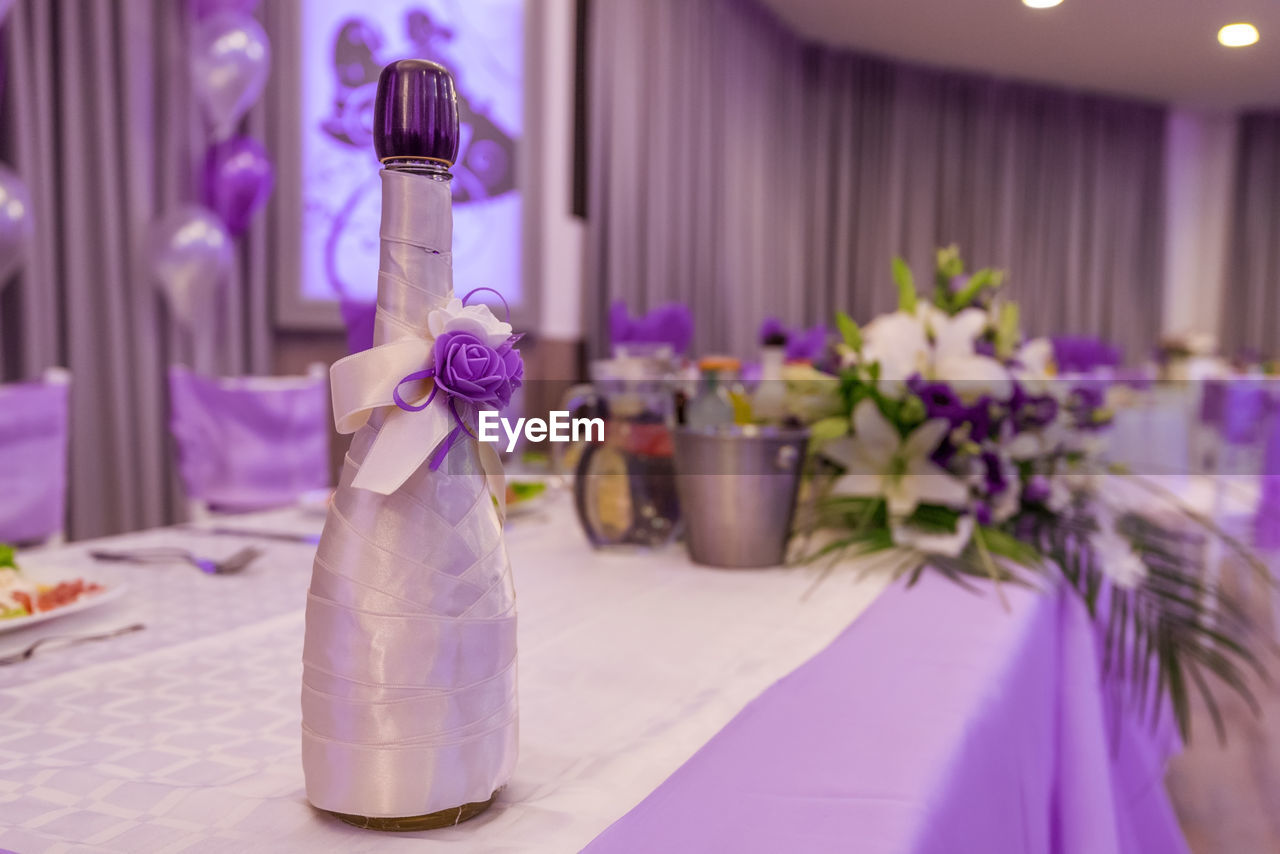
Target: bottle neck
426 168
771 361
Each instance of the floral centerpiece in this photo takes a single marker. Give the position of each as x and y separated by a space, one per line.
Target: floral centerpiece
948 444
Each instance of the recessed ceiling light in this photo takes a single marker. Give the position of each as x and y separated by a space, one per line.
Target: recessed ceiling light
1041 4
1238 35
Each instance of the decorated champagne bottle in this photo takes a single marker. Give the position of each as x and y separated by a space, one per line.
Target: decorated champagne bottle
409 680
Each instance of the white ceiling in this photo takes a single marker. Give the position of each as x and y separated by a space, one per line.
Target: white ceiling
1156 49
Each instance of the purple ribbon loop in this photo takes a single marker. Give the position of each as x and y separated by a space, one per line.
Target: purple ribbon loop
441 451
414 377
500 297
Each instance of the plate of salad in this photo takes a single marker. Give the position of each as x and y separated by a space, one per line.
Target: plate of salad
525 496
26 600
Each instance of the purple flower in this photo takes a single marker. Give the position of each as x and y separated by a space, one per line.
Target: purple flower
807 345
939 400
1036 490
995 474
1031 412
772 328
468 368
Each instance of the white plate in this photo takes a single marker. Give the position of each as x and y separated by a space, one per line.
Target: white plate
84 603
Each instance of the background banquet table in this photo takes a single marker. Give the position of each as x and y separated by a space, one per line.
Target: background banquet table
688 708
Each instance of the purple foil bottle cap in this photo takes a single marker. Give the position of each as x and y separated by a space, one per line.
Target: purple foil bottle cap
415 113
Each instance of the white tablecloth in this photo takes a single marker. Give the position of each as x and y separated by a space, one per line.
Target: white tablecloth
185 736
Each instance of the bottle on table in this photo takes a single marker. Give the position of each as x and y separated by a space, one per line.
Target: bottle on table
769 402
409 680
712 406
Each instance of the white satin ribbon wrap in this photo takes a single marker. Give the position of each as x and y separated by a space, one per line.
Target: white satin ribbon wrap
414 271
409 673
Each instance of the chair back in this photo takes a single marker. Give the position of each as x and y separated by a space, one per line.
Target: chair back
1213 397
358 317
34 426
1266 520
1244 411
248 443
1080 354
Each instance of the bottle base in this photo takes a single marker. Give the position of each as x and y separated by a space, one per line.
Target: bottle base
410 824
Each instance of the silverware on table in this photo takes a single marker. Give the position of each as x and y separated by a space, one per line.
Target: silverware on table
252 534
226 566
66 640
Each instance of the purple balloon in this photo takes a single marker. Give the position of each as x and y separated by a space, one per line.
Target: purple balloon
230 61
191 258
201 9
16 226
238 178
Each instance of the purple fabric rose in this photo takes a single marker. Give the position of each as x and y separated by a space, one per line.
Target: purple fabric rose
469 369
513 362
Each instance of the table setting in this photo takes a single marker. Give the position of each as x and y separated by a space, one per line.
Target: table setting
919 584
854 681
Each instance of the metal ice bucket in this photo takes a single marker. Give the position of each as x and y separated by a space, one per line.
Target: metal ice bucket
737 487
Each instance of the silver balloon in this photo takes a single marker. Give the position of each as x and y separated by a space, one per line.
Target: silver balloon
191 258
16 225
230 60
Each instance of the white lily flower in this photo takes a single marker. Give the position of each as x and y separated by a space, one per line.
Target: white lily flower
477 319
811 393
899 342
879 463
950 545
1007 503
955 362
1116 556
1035 360
1042 442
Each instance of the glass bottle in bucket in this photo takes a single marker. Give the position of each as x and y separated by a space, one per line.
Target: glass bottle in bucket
712 405
624 486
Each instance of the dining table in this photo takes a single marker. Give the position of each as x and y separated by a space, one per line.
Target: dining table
664 707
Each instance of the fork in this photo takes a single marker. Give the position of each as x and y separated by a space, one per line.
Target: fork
66 640
226 566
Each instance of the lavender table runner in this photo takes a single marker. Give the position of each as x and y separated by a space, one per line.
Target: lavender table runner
938 722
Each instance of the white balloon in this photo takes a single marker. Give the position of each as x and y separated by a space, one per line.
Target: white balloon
191 258
16 223
230 61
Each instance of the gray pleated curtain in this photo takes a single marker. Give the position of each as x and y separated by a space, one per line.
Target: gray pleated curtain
1251 304
738 169
99 120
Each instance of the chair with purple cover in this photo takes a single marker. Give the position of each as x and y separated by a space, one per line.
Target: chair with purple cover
1082 354
1207 436
1236 411
358 317
670 324
34 426
248 443
1266 519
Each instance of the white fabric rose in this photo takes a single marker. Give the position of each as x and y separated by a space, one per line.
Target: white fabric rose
479 320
